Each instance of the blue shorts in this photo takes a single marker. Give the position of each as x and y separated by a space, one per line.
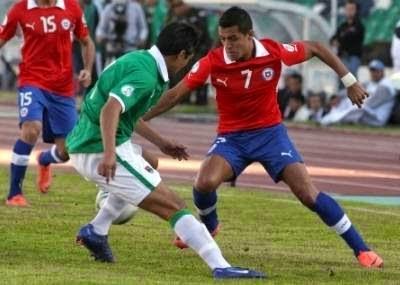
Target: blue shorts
57 113
271 147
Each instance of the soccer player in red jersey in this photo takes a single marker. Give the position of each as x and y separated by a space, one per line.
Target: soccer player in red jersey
45 86
245 73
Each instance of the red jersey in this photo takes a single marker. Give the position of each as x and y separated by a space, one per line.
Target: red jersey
47 48
246 91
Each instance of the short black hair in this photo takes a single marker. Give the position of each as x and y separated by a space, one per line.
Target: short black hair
353 2
177 37
297 76
236 16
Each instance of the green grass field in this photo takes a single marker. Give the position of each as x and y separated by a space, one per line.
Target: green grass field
270 232
7 96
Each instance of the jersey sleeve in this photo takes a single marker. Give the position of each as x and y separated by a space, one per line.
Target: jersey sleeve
81 29
199 73
9 25
292 53
130 92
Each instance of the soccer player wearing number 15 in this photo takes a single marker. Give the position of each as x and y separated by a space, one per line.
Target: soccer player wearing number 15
245 73
45 88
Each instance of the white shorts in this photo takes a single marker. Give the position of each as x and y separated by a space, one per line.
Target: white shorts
134 177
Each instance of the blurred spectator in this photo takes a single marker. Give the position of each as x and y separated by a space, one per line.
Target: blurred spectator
295 108
334 100
376 109
312 111
122 28
395 48
156 13
395 116
8 72
349 38
316 106
182 12
293 86
323 7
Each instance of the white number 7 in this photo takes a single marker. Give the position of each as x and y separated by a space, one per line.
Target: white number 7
248 74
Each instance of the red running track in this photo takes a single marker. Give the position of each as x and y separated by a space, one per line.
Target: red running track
339 162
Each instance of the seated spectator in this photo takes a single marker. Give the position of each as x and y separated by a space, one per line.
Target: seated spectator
376 109
316 106
293 88
312 111
294 107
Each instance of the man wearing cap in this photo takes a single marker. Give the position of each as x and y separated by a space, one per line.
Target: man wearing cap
377 107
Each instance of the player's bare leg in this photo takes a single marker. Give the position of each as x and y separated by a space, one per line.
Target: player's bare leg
297 178
30 131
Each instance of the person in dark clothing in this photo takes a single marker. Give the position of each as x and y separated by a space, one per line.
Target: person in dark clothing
184 13
293 88
349 38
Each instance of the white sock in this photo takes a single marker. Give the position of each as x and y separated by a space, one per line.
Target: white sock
111 209
196 236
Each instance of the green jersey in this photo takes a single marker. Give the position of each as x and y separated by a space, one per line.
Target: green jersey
137 81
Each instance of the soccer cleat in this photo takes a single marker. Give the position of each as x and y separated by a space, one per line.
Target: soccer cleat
17 201
43 180
181 245
370 259
96 244
237 272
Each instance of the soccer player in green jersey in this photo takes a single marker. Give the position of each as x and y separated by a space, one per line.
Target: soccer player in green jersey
100 149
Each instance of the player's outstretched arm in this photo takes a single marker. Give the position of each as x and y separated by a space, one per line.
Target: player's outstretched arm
109 118
169 147
170 98
355 91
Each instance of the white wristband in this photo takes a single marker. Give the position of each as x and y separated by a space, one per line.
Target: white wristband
348 80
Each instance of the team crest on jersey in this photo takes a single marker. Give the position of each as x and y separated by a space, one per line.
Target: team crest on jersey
268 73
290 47
195 67
127 90
66 24
23 112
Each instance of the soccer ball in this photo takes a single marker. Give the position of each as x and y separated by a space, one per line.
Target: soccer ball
127 213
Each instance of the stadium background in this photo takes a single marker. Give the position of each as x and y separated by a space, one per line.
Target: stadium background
355 163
